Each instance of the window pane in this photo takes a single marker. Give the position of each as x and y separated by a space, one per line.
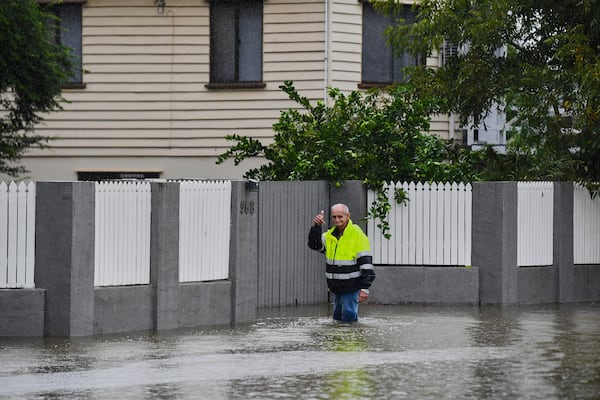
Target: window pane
223 32
405 59
250 48
70 35
376 55
236 41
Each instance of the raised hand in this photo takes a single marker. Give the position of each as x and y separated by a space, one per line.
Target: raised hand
319 218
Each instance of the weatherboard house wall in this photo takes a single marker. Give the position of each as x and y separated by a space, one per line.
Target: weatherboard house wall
144 105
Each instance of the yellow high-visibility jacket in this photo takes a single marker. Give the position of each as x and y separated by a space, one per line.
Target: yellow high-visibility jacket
349 264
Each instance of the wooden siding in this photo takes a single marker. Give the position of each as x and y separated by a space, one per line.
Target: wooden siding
145 91
345 31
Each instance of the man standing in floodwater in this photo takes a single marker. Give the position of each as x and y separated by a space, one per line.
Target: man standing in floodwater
349 264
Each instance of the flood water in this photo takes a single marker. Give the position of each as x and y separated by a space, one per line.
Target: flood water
394 352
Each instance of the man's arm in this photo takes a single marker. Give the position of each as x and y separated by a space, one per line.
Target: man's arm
367 273
364 259
314 238
315 235
367 276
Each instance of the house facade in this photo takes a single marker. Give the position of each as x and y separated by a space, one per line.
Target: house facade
163 81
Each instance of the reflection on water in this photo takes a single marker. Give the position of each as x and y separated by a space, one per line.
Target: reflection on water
395 352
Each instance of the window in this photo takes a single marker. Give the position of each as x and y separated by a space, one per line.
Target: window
112 175
68 33
379 66
236 43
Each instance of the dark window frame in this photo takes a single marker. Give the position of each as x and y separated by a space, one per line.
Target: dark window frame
215 75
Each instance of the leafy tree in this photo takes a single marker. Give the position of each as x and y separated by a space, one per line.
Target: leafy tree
375 137
33 68
540 59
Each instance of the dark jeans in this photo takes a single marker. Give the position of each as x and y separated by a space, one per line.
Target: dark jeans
345 307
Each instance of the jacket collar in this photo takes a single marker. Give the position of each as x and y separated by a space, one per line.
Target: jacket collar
336 232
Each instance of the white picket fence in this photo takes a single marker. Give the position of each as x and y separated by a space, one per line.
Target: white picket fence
122 245
433 228
17 235
204 230
535 216
586 227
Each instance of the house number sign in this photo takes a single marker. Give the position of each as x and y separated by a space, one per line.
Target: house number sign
247 207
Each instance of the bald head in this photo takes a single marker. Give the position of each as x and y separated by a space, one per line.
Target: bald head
340 214
340 208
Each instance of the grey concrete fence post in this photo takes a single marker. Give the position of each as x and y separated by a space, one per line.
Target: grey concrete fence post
164 253
64 251
243 256
563 241
494 241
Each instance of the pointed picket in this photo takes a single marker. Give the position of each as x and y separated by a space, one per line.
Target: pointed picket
396 225
468 224
405 227
460 231
447 223
3 235
454 224
30 237
372 233
12 235
21 238
426 224
98 236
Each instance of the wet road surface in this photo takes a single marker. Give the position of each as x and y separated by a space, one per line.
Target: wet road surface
394 352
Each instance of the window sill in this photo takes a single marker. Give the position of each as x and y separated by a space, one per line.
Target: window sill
236 85
74 86
54 1
368 85
105 175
